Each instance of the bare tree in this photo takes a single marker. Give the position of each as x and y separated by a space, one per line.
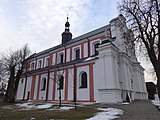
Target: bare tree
144 20
13 65
60 82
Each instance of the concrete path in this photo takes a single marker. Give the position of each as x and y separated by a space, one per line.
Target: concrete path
138 110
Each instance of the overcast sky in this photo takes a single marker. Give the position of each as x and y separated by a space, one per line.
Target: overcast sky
39 23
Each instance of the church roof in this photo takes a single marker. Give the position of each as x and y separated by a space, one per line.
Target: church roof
82 37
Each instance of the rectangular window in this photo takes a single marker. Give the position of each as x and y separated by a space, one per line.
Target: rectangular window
77 52
61 58
32 66
47 62
39 63
96 46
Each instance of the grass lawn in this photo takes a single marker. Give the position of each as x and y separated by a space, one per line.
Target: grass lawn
11 112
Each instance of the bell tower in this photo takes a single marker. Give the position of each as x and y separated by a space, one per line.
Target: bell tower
66 35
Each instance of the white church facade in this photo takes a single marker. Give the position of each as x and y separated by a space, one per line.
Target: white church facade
99 66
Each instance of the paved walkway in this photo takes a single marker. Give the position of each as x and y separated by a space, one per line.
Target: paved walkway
138 110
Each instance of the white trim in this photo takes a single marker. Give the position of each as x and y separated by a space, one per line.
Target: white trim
73 52
45 62
92 46
59 56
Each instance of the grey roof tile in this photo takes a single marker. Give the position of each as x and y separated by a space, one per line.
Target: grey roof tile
82 37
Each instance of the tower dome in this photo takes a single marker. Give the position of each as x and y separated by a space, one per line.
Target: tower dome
66 35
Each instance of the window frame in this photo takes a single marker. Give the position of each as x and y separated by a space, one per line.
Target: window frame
32 65
77 54
92 46
61 58
74 53
47 61
39 64
96 46
60 82
83 80
43 84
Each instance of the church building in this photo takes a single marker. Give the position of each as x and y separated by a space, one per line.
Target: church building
99 66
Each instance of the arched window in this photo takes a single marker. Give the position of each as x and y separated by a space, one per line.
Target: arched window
61 82
43 84
83 80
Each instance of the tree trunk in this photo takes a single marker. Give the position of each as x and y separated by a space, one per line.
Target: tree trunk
158 87
18 76
9 96
158 82
60 97
157 71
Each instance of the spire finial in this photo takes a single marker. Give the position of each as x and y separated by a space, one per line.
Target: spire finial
67 24
67 17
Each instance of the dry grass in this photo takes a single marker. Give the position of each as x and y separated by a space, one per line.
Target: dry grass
19 114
